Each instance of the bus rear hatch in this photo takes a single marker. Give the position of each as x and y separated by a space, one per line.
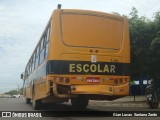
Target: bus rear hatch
80 30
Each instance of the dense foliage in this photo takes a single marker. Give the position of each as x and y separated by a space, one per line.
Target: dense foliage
15 92
145 45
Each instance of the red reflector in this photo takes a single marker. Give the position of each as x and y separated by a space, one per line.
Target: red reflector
91 51
111 79
121 80
126 80
67 80
96 51
116 81
61 79
73 77
92 80
121 90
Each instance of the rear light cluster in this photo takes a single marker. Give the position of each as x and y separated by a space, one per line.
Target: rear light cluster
96 51
120 80
62 79
67 80
78 78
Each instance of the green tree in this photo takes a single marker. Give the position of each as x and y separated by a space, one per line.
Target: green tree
155 58
145 45
140 41
12 92
15 92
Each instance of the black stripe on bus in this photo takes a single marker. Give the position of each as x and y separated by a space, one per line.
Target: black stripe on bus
67 67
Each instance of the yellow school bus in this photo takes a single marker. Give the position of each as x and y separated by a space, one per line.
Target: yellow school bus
82 55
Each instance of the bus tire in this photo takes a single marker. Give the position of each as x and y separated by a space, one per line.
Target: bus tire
80 102
36 104
28 100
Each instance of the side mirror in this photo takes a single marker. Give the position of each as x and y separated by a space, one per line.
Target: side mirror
22 76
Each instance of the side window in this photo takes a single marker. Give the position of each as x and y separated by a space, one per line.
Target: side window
36 62
42 44
25 83
46 51
33 62
28 69
26 73
37 53
41 53
47 43
41 59
42 56
48 34
37 57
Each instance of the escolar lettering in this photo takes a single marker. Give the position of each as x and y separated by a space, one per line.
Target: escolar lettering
92 68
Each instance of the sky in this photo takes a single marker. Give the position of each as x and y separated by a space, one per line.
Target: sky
23 21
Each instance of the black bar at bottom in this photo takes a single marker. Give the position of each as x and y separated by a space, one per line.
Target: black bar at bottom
79 113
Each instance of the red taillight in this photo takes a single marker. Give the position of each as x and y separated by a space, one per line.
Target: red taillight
90 50
121 90
61 79
73 77
116 81
96 51
67 80
54 79
120 80
111 78
126 79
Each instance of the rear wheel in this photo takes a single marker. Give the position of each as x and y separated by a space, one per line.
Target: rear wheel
36 104
80 102
28 100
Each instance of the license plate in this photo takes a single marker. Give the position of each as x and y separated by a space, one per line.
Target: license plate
92 80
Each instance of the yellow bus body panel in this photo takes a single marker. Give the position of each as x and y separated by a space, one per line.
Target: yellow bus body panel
74 44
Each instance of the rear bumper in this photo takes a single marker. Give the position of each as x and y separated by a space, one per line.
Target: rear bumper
121 90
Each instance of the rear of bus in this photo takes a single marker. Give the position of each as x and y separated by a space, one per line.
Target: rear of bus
90 56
